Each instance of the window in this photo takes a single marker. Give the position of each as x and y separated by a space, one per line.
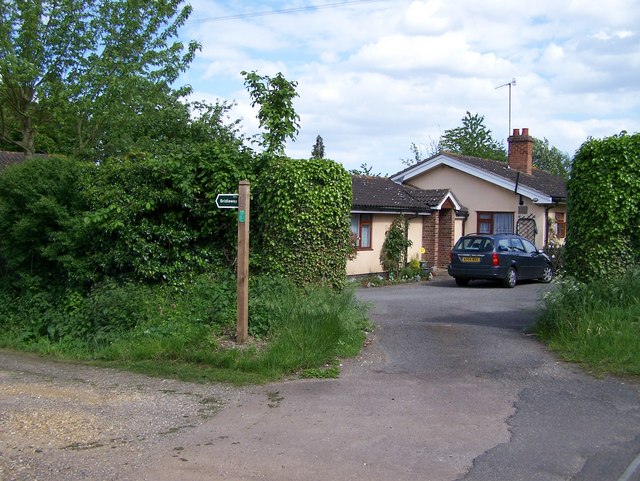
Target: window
495 222
516 245
361 228
561 225
479 244
529 248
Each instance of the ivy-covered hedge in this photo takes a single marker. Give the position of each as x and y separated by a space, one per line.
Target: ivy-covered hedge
301 210
603 236
150 219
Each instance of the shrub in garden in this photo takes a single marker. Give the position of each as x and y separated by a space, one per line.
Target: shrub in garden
603 236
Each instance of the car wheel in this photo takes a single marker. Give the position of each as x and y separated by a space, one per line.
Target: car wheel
547 274
511 279
462 282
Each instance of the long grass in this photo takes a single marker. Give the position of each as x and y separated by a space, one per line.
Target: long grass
595 324
183 335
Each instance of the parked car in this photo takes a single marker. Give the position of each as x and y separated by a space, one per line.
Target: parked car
507 258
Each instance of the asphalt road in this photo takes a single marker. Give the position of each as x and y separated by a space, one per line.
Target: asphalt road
565 424
449 388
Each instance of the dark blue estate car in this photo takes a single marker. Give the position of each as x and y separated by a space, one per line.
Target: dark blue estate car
507 258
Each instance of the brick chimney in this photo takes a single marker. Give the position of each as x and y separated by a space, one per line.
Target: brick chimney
521 151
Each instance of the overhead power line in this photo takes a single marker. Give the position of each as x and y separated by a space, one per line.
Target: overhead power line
282 11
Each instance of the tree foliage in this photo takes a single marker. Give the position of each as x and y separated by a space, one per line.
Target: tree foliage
317 152
276 114
40 205
71 69
419 152
149 216
473 138
603 236
302 215
550 159
365 169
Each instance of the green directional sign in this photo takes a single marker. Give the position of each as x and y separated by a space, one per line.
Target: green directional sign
227 201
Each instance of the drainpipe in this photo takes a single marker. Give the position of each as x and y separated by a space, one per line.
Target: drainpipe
464 223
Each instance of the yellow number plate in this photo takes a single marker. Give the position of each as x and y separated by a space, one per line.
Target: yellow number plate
470 259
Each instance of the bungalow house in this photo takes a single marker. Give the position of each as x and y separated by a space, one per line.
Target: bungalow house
449 195
377 201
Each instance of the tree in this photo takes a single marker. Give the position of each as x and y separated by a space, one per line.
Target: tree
419 153
550 159
365 169
473 138
318 149
276 114
70 67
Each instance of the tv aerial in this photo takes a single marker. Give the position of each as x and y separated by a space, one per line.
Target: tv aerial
509 84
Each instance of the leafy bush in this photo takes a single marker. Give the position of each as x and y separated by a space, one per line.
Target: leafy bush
394 249
603 236
156 219
40 204
556 253
302 227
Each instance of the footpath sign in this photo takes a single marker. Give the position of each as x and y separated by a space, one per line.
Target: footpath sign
240 201
227 201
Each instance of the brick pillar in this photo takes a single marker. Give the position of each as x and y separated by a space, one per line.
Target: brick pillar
430 233
446 238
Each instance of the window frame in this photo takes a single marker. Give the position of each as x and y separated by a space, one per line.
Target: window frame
561 225
367 221
491 221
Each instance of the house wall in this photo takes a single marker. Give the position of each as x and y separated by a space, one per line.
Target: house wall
459 228
552 215
368 261
479 195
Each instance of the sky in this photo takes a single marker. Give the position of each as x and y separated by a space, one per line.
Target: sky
375 76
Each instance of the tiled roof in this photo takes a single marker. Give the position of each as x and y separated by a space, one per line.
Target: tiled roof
382 193
549 184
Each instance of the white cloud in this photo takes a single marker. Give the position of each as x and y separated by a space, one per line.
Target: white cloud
375 77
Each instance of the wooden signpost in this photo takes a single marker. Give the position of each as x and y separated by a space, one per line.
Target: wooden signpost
242 331
240 201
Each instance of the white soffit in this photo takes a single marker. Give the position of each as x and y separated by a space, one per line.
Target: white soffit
535 195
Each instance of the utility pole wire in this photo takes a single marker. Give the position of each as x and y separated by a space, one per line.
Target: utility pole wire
308 8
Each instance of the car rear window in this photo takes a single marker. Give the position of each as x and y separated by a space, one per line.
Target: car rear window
474 244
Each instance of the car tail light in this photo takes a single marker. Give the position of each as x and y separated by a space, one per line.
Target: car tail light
495 260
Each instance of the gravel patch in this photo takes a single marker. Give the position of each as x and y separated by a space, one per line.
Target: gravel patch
72 422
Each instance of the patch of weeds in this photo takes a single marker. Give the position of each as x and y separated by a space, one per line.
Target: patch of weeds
83 446
328 371
176 429
210 407
274 399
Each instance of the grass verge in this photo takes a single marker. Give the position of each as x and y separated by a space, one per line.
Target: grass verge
187 333
595 324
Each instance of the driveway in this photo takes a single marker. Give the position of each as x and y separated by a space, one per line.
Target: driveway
449 388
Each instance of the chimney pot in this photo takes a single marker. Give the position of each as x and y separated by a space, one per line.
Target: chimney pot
521 151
